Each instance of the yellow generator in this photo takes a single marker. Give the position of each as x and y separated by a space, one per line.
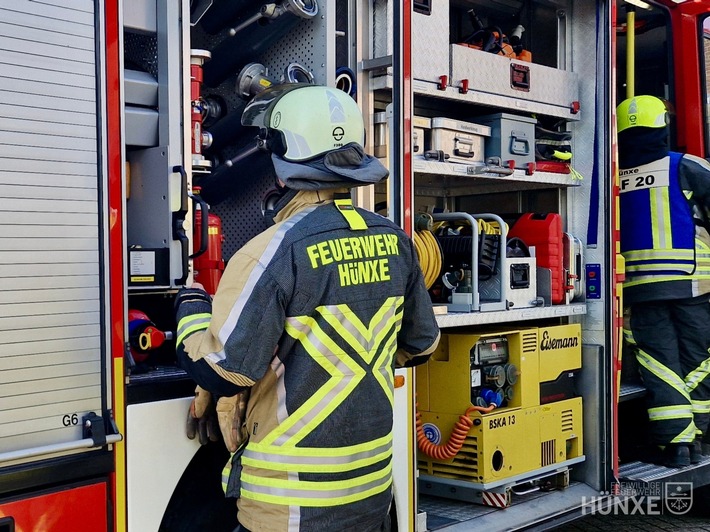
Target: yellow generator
499 407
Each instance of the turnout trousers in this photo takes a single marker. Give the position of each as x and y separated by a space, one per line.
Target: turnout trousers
671 340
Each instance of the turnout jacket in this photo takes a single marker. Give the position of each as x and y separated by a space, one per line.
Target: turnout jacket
313 315
664 230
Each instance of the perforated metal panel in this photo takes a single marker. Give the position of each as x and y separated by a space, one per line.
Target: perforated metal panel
312 45
50 279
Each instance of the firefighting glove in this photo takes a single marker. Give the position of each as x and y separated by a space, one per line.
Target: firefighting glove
201 418
231 413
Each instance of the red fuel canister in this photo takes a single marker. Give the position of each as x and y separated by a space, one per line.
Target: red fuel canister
544 231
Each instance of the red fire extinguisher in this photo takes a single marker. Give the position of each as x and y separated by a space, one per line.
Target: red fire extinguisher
208 263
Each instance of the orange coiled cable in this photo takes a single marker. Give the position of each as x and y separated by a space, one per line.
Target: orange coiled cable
456 439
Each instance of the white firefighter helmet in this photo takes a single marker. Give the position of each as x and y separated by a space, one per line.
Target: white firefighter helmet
300 122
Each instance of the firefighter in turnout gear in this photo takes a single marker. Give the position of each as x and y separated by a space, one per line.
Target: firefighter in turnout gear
312 316
664 201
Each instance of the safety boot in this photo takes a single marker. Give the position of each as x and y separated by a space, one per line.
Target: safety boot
696 451
676 455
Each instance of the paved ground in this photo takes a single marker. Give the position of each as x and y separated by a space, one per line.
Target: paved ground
688 523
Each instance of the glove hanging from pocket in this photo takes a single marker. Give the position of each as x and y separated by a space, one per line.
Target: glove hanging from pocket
202 418
231 414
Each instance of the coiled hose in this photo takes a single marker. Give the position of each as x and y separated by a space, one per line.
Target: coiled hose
489 228
458 435
428 249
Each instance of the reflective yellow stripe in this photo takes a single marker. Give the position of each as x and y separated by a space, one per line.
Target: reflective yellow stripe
190 324
323 348
675 267
661 218
315 493
660 413
664 373
354 219
701 407
321 452
382 370
326 396
226 472
695 377
687 436
384 321
637 281
665 253
318 459
700 273
662 259
629 336
380 324
317 468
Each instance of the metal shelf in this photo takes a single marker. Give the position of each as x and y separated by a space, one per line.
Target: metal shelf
506 316
433 178
430 89
629 391
637 475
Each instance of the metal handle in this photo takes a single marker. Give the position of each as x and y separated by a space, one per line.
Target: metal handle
204 220
86 443
519 143
465 142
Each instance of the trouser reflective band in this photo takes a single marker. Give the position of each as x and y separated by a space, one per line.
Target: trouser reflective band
319 494
687 436
629 337
701 407
698 375
669 420
701 415
670 412
664 413
667 375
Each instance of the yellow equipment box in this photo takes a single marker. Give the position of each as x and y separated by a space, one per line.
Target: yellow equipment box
508 443
500 403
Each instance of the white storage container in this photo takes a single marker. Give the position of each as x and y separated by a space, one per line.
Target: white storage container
463 142
421 127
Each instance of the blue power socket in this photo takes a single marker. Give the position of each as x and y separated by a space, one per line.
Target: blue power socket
594 281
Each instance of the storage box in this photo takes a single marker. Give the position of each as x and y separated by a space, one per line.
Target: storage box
511 84
522 290
379 121
420 134
463 142
421 127
512 138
